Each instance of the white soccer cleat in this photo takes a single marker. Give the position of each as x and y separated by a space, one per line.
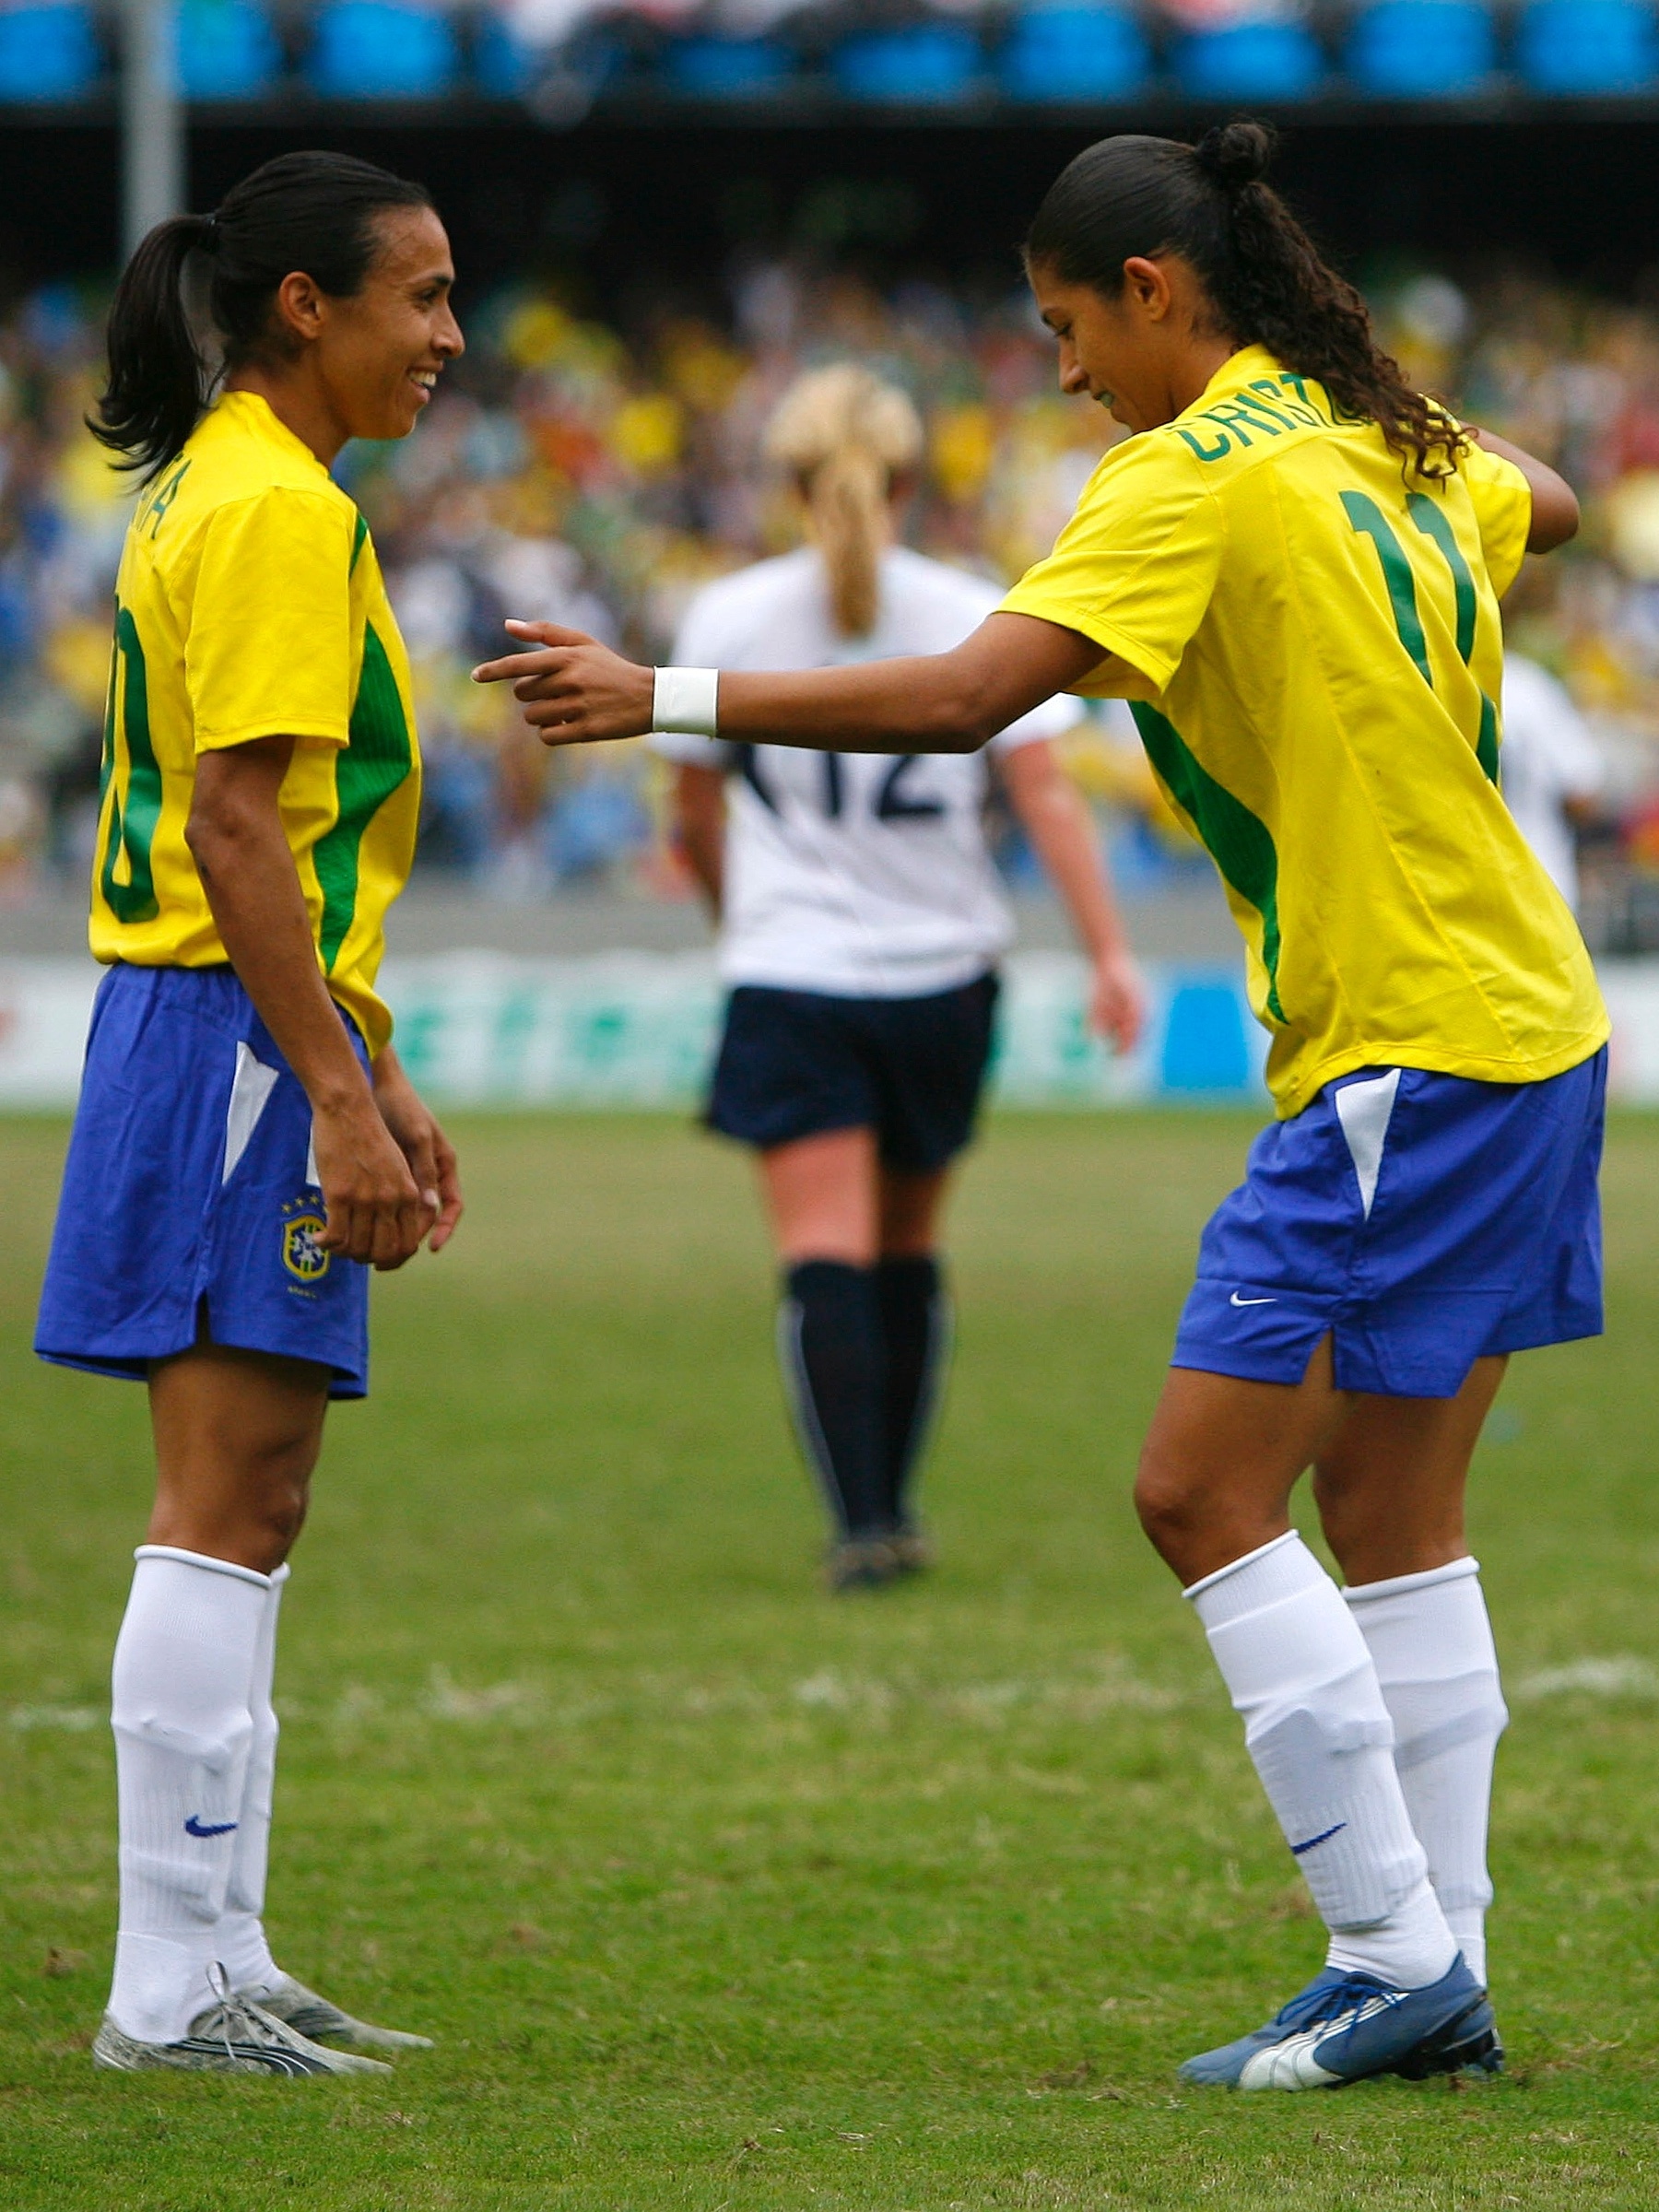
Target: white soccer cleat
233 2035
314 2017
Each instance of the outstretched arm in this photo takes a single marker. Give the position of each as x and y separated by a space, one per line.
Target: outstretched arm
576 692
1555 515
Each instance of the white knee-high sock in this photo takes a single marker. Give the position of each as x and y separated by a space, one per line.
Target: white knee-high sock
183 1661
242 1950
1431 1642
1319 1732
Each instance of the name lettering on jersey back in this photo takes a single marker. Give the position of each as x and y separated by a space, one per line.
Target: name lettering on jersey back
155 514
1266 405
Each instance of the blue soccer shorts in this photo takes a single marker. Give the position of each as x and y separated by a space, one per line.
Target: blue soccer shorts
1422 1222
190 1192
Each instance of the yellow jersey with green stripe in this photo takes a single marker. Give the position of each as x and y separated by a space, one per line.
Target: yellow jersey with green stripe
1310 641
250 604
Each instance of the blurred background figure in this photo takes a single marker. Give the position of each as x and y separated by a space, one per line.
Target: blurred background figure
861 925
1553 772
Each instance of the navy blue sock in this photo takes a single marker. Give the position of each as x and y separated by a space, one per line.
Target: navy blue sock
829 1346
915 1326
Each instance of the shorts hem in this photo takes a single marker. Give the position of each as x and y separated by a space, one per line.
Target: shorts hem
134 1367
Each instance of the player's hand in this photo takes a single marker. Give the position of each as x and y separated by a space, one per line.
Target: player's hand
376 1212
1117 1000
429 1154
574 691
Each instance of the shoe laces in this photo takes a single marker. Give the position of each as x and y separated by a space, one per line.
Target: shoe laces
1322 2001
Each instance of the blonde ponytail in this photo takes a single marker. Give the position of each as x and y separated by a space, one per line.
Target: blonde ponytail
845 435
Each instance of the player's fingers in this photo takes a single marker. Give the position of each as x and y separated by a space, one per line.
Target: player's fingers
397 1234
354 1227
513 666
547 633
452 1205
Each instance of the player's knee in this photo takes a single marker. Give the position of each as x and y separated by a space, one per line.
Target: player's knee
1168 1504
277 1510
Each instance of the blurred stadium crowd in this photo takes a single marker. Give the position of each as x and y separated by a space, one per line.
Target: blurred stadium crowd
572 471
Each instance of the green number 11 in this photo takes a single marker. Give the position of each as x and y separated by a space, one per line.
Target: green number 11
1369 519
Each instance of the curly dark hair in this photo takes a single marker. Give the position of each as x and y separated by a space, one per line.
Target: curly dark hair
1133 195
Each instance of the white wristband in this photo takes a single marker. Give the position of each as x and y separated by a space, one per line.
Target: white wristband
686 700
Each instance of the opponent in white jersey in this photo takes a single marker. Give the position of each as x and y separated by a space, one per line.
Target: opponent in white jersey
1552 771
862 919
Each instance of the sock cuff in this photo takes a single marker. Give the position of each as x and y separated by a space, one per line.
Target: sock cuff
923 1266
1403 1585
802 1274
200 1558
1288 1566
279 1575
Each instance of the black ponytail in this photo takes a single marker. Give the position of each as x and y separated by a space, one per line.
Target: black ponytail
311 212
1137 196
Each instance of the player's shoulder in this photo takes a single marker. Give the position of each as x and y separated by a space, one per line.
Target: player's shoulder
239 461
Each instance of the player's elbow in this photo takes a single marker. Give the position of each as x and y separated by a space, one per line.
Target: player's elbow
955 718
1555 519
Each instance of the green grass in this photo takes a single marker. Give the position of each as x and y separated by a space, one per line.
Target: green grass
720 1892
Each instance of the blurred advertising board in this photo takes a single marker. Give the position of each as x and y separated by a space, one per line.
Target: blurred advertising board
636 1029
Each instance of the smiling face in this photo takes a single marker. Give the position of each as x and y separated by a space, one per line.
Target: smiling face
375 355
1143 354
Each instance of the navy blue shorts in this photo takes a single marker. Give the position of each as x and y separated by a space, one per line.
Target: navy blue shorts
1422 1222
796 1063
190 1187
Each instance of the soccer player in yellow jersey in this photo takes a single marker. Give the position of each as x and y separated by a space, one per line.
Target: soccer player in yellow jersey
246 1146
1292 571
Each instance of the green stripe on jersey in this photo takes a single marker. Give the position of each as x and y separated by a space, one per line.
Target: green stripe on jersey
1239 841
133 826
367 772
1367 517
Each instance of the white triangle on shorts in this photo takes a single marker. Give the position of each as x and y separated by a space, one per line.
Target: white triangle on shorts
313 1182
250 1094
1364 1109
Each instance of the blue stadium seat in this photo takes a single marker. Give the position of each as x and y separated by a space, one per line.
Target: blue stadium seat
1587 46
504 67
933 63
714 68
1250 61
1071 51
47 53
1421 49
381 50
226 50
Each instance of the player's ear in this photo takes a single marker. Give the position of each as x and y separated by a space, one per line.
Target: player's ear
299 307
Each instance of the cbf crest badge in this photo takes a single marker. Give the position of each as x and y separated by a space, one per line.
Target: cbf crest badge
303 1254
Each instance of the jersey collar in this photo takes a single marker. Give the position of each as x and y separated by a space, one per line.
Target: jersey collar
1240 367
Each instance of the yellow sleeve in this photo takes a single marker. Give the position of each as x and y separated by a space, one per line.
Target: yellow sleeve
1501 498
1135 568
267 644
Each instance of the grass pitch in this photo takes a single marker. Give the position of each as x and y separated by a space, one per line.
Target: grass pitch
721 1894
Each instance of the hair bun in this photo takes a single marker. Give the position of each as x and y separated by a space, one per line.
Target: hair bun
1235 154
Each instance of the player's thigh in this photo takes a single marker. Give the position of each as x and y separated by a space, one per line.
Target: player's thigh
1222 1457
237 1436
822 1196
1390 1482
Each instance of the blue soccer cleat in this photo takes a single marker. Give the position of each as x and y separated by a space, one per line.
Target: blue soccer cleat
1344 2027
